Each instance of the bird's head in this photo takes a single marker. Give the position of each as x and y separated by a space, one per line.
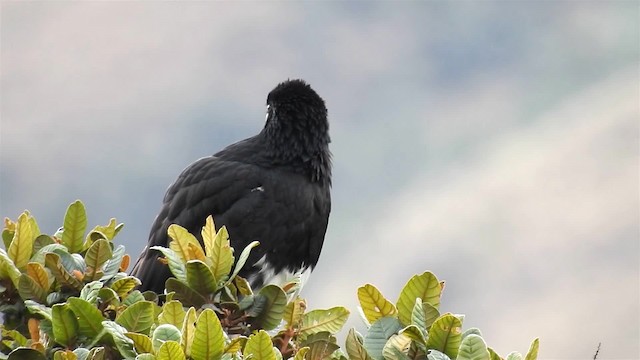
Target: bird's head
297 127
294 108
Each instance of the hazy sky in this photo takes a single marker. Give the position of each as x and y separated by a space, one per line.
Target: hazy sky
493 143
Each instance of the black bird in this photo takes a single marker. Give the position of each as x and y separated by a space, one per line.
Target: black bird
273 187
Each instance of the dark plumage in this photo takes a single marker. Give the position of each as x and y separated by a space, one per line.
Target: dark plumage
273 187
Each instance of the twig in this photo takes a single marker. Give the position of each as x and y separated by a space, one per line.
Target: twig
595 356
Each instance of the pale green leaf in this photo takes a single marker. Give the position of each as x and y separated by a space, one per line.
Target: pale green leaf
514 355
242 259
52 262
8 270
90 291
379 332
123 343
187 295
396 347
294 312
164 333
176 264
208 235
423 314
112 266
473 347
36 308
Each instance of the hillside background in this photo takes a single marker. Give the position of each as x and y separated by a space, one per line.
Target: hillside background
494 143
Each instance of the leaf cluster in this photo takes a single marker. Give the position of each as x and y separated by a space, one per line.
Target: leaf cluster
68 296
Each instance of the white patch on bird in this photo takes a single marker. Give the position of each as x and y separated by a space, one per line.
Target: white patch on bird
259 188
283 277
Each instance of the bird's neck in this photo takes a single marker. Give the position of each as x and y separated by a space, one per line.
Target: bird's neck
304 150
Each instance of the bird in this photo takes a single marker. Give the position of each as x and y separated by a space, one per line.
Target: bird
274 187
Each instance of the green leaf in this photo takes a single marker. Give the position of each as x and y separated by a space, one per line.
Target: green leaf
97 353
259 347
65 325
81 353
242 259
184 293
30 289
75 225
473 347
445 335
426 287
97 255
7 236
188 330
330 320
141 342
208 235
41 241
354 347
108 296
123 344
52 262
88 316
379 332
321 349
138 317
184 243
532 354
164 333
176 265
22 244
373 303
200 278
133 297
294 312
112 266
221 254
25 353
423 314
39 309
7 269
71 262
145 357
172 313
273 310
170 350
123 286
208 340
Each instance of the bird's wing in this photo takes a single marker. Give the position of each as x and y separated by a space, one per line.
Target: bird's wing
273 207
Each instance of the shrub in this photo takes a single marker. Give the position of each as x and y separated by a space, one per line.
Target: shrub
67 296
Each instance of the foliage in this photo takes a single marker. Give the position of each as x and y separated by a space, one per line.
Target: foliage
67 296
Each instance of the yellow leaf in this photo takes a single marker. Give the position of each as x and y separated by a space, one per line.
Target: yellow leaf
208 235
180 240
373 303
22 243
37 272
